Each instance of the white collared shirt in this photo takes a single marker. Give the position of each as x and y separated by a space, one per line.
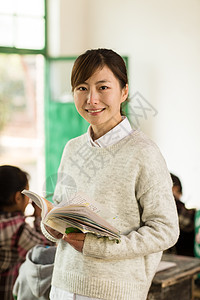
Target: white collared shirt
57 293
113 136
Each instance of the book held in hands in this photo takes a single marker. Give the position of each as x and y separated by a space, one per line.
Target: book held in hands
79 215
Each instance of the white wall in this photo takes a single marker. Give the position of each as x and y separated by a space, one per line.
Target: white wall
162 40
67 22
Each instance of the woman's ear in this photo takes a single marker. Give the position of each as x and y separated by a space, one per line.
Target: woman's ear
125 91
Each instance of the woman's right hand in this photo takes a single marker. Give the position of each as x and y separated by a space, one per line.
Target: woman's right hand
56 234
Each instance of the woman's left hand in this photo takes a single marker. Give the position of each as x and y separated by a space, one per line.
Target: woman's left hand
76 240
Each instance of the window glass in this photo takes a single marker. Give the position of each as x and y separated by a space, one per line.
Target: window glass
30 33
60 87
7 6
6 31
21 111
22 24
30 7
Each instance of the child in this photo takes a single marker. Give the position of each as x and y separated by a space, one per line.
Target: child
16 236
35 274
122 170
185 243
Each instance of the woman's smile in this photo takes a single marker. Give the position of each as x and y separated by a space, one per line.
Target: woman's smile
95 111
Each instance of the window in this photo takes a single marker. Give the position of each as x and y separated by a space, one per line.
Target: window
21 110
22 24
22 60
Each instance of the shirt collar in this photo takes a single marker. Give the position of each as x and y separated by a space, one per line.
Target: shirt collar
113 136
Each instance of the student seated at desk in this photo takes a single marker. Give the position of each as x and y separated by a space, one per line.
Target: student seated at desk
185 243
16 236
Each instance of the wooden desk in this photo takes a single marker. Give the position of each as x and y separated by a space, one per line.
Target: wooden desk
175 283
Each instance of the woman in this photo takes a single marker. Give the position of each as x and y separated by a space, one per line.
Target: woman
123 171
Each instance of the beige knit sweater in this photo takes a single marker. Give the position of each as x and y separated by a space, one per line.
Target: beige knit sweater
131 182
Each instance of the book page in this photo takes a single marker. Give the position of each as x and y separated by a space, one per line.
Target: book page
84 215
45 205
83 200
60 225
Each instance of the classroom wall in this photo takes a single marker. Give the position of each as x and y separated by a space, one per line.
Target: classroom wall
162 41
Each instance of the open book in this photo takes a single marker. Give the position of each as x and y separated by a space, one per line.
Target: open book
79 215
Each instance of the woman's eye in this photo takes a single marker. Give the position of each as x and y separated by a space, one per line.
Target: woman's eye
82 88
103 87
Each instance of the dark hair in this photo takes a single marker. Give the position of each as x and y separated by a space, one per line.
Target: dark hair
12 180
87 63
176 182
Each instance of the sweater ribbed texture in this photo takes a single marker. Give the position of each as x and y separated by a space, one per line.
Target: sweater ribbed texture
131 182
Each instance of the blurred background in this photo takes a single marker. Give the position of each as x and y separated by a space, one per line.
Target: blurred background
39 41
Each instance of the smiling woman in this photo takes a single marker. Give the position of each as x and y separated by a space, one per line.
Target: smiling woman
98 101
100 85
124 172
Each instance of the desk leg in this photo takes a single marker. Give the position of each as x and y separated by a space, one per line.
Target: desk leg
195 290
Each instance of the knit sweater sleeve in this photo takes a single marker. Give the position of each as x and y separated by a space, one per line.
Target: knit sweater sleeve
159 228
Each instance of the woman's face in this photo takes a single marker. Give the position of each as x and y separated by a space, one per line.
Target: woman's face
98 100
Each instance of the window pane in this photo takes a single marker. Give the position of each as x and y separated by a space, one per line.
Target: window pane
21 114
60 80
6 31
17 95
30 33
30 7
7 6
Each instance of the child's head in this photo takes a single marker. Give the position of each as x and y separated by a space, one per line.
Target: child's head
177 186
12 181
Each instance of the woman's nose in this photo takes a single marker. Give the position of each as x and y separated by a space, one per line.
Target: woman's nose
92 97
